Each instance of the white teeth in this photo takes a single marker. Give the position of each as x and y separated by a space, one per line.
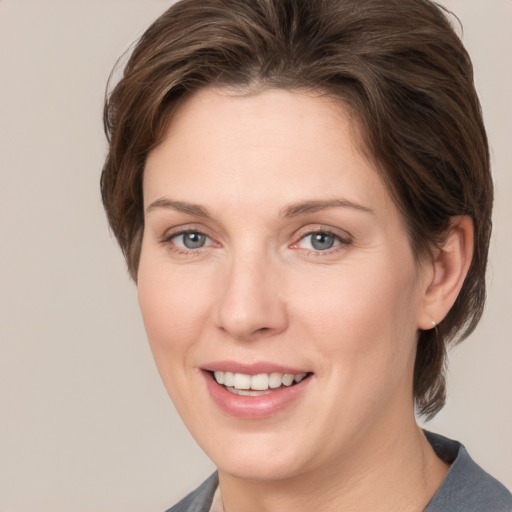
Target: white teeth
248 392
228 379
288 379
275 380
259 382
242 381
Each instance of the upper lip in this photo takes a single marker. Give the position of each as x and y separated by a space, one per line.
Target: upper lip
251 368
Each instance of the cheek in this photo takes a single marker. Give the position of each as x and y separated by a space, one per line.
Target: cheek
364 318
174 312
173 309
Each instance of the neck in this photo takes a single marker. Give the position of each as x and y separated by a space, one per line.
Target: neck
389 469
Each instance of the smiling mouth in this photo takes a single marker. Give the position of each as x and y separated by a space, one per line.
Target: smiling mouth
256 385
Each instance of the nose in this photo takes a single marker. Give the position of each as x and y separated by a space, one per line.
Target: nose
250 303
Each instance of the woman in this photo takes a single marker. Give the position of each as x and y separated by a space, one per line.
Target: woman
302 194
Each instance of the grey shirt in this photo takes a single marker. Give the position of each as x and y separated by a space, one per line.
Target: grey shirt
466 487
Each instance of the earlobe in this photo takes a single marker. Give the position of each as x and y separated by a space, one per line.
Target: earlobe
450 265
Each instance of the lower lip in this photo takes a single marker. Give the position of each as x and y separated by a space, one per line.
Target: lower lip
254 407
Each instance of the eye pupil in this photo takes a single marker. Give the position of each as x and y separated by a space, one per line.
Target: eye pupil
193 240
322 241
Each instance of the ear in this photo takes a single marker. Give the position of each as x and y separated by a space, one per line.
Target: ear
446 272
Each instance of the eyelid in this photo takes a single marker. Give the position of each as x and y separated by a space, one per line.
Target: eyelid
183 228
343 237
172 233
340 234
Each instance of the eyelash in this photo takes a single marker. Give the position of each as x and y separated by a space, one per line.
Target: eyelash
168 240
341 242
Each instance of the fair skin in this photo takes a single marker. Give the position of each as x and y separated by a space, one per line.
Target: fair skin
294 258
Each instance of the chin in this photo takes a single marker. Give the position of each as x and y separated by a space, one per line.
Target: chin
258 469
257 459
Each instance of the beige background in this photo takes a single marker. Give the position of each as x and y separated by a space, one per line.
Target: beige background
85 424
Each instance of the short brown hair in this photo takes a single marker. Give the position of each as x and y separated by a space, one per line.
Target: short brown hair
397 64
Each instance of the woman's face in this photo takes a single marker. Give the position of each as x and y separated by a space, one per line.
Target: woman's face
272 251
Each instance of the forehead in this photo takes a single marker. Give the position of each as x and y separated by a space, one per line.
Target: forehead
273 147
277 111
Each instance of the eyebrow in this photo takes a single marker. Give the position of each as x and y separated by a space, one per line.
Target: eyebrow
291 210
180 206
302 208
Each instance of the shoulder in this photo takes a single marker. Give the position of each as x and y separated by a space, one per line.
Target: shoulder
199 500
466 487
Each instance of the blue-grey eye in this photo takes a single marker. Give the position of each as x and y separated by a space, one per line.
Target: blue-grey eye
193 240
322 241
